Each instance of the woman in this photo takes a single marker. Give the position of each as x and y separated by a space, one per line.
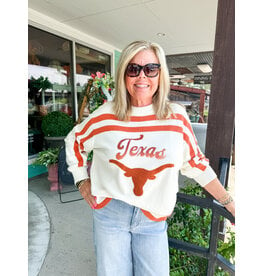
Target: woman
140 142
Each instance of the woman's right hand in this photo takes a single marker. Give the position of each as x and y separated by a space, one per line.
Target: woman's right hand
85 190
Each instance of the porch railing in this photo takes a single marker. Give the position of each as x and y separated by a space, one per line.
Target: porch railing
214 259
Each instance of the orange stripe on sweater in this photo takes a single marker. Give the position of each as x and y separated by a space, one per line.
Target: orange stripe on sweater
103 203
151 217
129 129
83 131
132 119
199 166
78 155
95 120
146 213
99 119
186 124
109 116
193 154
186 138
143 118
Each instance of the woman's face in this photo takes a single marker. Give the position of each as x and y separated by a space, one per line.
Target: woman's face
142 88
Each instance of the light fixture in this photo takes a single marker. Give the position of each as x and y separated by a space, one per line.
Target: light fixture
205 68
161 34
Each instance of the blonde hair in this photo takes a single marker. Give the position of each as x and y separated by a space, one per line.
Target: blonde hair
122 99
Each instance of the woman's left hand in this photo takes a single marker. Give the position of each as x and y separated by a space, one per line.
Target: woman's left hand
216 189
231 208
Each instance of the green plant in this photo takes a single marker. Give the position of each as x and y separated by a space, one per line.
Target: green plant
101 91
103 79
47 157
57 124
41 83
96 99
192 224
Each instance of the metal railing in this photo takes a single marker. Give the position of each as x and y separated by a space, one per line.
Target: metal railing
214 259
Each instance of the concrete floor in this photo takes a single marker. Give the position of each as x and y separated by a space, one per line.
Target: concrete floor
39 234
61 239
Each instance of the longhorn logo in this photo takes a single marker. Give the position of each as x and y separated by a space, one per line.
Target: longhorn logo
139 175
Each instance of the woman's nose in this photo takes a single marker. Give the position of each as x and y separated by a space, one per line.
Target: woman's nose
142 74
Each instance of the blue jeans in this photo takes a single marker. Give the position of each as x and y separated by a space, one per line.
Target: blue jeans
127 243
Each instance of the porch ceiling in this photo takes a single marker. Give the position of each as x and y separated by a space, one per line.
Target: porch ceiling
189 26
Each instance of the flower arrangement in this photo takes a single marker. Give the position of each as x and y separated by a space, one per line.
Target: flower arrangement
100 92
103 79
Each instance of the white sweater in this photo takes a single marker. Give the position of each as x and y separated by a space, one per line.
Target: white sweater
137 161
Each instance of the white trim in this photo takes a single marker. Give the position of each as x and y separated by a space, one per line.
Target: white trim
52 25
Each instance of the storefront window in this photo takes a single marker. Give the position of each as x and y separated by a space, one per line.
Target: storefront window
88 61
49 60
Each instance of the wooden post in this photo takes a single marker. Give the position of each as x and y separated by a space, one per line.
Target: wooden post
221 113
202 104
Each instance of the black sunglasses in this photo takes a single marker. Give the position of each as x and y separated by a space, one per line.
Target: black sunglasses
151 69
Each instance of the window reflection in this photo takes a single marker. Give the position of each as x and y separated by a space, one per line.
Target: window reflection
88 61
49 56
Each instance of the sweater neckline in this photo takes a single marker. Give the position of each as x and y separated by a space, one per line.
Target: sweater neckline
142 110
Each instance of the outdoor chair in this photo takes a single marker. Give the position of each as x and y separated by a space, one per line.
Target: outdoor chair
65 178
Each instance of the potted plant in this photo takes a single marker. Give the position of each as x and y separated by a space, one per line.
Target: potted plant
40 85
55 126
49 158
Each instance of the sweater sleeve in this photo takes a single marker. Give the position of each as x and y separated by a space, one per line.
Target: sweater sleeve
195 164
78 144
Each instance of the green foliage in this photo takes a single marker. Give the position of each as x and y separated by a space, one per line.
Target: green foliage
41 83
96 100
96 96
57 124
104 79
192 224
227 250
90 156
47 157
